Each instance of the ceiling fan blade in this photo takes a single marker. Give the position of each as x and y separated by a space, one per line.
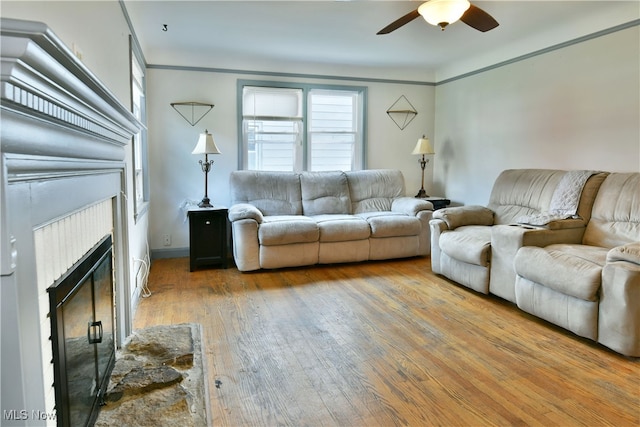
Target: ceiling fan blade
399 22
479 19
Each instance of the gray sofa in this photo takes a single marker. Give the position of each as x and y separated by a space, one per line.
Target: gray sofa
577 267
286 219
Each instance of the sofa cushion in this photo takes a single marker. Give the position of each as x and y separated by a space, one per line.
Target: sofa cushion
577 315
347 251
391 224
615 218
522 192
325 193
274 193
341 228
469 243
286 229
374 190
570 269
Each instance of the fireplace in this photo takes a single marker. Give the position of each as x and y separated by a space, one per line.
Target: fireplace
63 185
82 325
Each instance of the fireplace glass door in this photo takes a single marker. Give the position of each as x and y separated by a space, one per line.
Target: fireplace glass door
83 336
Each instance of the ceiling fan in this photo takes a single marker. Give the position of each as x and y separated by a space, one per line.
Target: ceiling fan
444 12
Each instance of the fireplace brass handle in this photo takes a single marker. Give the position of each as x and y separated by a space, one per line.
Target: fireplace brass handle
91 332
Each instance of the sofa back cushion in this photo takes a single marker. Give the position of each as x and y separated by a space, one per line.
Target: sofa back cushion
274 193
373 190
522 192
588 195
325 193
615 218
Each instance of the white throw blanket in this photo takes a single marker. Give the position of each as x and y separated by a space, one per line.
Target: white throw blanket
565 199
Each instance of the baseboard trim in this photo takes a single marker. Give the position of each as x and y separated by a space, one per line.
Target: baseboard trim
169 253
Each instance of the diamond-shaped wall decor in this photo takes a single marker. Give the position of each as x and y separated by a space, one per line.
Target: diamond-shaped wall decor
402 112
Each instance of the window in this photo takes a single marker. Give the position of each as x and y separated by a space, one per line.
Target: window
301 127
334 134
272 128
138 107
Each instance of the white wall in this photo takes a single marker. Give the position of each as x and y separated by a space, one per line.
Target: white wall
176 176
573 108
99 31
615 13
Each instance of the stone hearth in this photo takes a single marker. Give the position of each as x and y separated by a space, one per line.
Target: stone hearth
158 380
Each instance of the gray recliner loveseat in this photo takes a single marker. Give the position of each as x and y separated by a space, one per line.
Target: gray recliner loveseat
475 245
591 285
576 267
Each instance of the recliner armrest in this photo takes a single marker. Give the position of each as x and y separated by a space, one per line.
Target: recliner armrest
619 308
556 224
410 205
629 252
465 215
245 211
565 224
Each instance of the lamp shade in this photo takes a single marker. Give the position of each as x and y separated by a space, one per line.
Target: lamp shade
423 146
206 144
443 12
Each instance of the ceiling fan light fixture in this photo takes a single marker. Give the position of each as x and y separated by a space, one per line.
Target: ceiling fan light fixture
443 12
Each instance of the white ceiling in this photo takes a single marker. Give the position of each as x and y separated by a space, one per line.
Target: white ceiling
341 35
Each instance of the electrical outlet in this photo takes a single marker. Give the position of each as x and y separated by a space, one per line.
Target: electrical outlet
166 239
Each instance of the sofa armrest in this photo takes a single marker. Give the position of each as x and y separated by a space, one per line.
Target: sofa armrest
436 228
465 215
410 205
246 246
619 306
241 211
629 253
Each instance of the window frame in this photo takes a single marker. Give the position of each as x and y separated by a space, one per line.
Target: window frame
306 89
139 143
335 133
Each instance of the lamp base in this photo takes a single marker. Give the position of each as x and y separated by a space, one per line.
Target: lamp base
422 194
205 203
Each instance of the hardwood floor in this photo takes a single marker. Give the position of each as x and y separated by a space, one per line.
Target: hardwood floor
384 344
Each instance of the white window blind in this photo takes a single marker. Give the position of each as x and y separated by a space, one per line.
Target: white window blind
272 128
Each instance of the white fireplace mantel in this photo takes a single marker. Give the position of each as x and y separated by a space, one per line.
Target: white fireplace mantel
63 139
